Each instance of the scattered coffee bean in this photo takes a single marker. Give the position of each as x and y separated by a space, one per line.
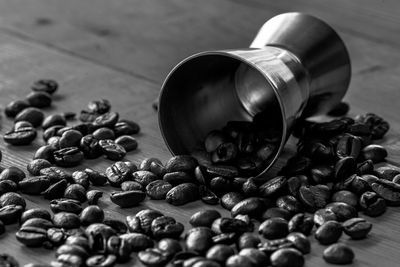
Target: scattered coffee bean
33 115
66 220
45 85
329 232
372 204
36 165
112 150
129 143
158 189
166 227
301 223
127 199
68 157
287 257
15 107
274 228
10 214
357 228
93 196
207 196
182 194
20 137
199 239
12 173
204 218
338 254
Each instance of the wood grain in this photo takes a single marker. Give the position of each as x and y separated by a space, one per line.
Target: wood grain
122 50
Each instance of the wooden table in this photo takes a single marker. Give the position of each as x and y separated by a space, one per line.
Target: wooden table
122 50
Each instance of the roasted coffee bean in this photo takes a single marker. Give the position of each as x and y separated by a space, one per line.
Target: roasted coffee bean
365 167
53 120
182 194
372 204
248 240
104 133
145 164
338 254
119 226
7 186
238 261
11 213
20 137
137 241
348 146
300 242
108 119
141 222
359 185
207 196
70 138
90 147
294 183
95 177
169 247
204 218
296 165
378 126
45 152
183 163
129 143
35 213
99 106
12 173
213 140
12 198
182 256
220 184
55 190
273 187
118 173
329 232
386 172
314 197
144 177
36 165
226 171
225 152
68 157
119 247
301 223
82 178
39 99
250 188
289 203
200 175
318 151
158 189
387 190
231 225
225 238
219 253
54 143
344 168
66 220
126 127
34 185
274 228
75 191
65 205
376 153
38 222
92 214
324 215
257 257
342 210
357 228
101 261
15 107
33 115
112 150
98 234
127 199
56 236
287 257
93 196
152 257
55 174
31 236
22 124
276 212
51 131
166 227
346 197
45 85
321 174
254 207
72 249
176 178
132 185
158 169
199 239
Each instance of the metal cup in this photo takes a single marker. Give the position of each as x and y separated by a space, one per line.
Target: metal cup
297 66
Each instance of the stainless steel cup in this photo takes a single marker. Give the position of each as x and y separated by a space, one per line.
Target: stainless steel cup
296 66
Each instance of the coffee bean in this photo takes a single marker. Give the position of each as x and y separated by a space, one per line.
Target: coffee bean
250 188
101 261
68 157
289 203
39 99
131 185
129 143
169 247
152 257
7 186
232 225
176 178
314 197
66 220
254 207
99 106
144 177
358 185
51 131
301 223
183 163
65 205
12 198
72 250
33 115
199 239
36 165
92 214
300 242
54 143
225 153
35 213
365 167
372 204
296 165
87 116
22 124
346 197
338 254
257 257
166 227
119 247
287 257
118 173
45 152
119 226
226 171
207 196
56 236
158 189
98 234
12 173
15 107
248 240
137 241
11 213
70 138
95 177
182 194
344 168
53 120
45 85
276 212
376 153
145 164
104 133
55 174
126 127
75 191
219 253
127 199
329 232
274 228
108 119
34 185
93 196
31 236
204 218
238 261
20 137
273 187
342 210
38 222
348 146
112 150
141 222
357 228
324 215
225 238
90 147
386 172
378 126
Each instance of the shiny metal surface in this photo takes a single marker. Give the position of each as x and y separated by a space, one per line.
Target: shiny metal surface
296 66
